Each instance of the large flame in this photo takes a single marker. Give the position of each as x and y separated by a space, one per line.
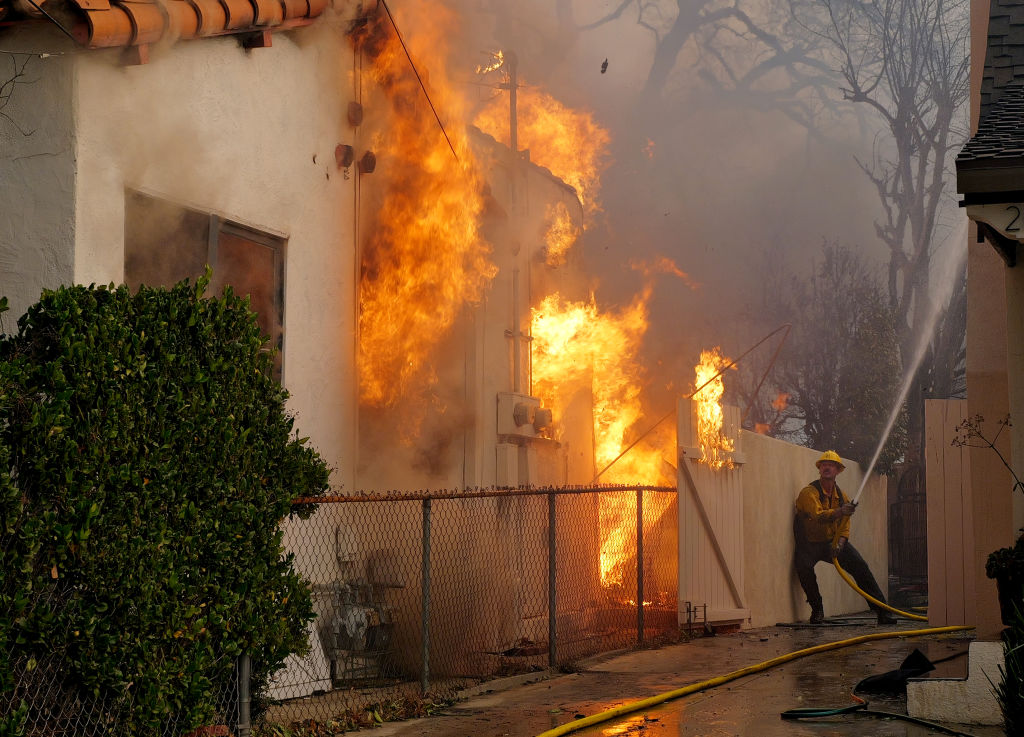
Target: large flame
423 258
574 339
715 446
568 142
561 234
575 342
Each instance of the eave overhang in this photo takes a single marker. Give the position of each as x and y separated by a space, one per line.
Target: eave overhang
133 25
990 172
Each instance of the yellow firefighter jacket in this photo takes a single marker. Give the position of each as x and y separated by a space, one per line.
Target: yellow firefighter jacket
813 507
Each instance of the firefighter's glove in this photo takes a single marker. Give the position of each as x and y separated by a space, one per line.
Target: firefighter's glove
837 547
848 509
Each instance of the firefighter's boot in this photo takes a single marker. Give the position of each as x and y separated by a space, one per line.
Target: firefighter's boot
817 614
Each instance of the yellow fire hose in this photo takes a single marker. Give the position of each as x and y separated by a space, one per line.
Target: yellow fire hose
635 706
873 600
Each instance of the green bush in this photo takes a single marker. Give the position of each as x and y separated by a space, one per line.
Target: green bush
153 461
19 540
1010 690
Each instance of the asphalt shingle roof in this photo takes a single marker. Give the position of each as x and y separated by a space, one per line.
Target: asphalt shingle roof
1001 130
1004 56
993 159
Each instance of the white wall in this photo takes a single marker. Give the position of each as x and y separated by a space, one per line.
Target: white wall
37 172
773 475
249 135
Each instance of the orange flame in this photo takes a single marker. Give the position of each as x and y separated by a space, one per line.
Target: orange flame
664 265
573 339
423 258
714 445
574 342
568 142
780 402
497 60
561 234
617 524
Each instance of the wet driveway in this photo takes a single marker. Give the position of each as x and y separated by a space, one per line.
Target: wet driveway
750 705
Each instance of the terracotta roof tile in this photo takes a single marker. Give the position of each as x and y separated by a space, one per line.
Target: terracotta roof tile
127 23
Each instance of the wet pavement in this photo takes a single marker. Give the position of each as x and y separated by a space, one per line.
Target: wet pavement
750 705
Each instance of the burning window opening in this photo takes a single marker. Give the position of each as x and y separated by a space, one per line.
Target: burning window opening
574 342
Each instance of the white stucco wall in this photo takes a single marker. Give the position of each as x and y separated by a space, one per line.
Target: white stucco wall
249 135
37 170
773 474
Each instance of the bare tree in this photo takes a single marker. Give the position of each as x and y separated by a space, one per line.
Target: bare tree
896 71
900 65
907 61
835 383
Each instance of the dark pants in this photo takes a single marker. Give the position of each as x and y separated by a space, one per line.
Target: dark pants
808 554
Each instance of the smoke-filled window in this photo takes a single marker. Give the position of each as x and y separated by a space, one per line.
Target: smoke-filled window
165 243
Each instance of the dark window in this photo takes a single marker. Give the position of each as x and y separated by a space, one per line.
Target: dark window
165 243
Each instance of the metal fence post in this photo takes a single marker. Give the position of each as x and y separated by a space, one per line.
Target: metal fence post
552 598
425 595
243 675
640 566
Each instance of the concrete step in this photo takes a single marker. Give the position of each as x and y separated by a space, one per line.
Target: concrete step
960 699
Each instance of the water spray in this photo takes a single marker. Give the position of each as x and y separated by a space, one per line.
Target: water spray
924 340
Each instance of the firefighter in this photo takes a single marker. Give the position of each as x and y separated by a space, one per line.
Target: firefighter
822 529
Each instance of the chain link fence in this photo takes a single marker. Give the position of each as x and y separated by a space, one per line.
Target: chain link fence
427 594
418 596
49 700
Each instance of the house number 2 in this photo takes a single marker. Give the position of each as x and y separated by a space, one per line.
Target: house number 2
1014 225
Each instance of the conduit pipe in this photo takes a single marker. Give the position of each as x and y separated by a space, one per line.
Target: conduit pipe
634 706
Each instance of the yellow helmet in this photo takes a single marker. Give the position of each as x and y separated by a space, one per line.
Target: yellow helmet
829 455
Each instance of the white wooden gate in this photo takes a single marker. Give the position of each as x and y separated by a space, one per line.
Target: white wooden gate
710 524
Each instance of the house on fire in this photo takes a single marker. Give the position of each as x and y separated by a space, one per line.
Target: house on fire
143 139
140 141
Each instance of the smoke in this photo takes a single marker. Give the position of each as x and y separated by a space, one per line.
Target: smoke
695 188
696 176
